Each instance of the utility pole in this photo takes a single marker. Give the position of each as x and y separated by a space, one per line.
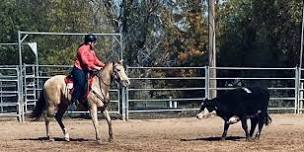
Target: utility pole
212 50
302 32
299 97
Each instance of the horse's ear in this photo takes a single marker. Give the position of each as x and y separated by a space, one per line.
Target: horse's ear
121 61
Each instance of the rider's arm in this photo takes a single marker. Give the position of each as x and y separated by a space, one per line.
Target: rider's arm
98 62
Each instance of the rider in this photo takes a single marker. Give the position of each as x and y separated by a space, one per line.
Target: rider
86 62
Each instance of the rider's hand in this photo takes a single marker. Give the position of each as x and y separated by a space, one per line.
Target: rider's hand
98 68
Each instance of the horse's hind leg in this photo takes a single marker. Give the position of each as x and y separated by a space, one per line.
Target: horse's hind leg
60 112
108 118
93 112
49 115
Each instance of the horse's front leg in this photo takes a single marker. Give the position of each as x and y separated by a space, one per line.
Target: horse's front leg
93 112
108 118
61 110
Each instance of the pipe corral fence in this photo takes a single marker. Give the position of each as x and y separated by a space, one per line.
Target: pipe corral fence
165 90
156 89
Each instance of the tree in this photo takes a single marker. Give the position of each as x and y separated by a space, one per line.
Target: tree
259 33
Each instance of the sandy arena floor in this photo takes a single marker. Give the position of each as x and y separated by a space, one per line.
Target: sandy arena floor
286 133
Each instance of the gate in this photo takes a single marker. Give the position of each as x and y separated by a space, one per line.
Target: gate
10 92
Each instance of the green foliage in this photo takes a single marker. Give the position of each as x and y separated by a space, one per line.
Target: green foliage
259 33
159 33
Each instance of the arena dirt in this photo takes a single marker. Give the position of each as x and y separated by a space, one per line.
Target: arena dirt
286 133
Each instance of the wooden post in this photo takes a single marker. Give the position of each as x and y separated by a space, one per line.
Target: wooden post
212 50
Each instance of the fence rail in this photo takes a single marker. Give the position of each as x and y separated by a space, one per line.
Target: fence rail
157 89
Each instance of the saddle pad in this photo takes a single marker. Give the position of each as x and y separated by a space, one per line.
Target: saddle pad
70 84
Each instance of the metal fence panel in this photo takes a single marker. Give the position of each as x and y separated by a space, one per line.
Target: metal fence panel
157 89
282 84
164 89
35 76
10 101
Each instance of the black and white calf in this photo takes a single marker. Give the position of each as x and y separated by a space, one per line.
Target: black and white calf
239 104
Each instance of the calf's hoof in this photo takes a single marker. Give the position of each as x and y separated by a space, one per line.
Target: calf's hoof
51 139
111 139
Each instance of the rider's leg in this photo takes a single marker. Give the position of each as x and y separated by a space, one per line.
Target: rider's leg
79 81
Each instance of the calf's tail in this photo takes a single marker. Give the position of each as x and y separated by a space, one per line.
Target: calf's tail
268 120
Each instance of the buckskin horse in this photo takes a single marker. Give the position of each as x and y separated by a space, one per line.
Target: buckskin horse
55 98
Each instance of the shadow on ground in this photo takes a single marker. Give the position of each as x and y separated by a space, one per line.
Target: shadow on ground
56 139
231 138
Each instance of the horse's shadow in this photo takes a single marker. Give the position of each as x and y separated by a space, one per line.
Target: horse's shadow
56 139
230 138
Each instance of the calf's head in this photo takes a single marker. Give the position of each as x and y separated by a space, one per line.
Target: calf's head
207 109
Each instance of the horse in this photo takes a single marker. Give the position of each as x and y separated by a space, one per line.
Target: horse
55 98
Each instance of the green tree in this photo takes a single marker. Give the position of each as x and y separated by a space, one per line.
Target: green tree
259 33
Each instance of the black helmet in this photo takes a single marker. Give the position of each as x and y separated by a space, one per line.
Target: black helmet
90 38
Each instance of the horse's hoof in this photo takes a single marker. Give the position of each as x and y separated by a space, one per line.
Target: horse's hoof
67 137
111 139
99 141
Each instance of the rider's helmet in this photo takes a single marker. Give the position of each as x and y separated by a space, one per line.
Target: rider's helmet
90 38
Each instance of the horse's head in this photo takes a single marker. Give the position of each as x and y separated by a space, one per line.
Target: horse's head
207 109
119 74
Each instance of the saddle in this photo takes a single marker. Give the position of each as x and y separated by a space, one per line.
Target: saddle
70 84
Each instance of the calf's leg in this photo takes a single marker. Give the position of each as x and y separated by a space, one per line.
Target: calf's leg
254 122
245 127
226 126
261 124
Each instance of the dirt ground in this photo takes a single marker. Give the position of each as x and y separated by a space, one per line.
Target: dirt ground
285 133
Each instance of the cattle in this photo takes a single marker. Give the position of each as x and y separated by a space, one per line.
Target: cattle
239 104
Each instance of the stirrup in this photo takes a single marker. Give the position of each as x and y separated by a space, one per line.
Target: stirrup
73 106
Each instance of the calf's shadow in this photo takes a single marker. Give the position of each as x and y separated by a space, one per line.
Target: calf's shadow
229 138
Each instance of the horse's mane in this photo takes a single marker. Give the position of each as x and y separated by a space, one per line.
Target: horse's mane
112 61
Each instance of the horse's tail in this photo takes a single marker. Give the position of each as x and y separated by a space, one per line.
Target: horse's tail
40 106
268 119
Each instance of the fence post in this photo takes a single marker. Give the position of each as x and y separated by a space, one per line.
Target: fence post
301 98
297 80
123 104
299 88
207 81
20 94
